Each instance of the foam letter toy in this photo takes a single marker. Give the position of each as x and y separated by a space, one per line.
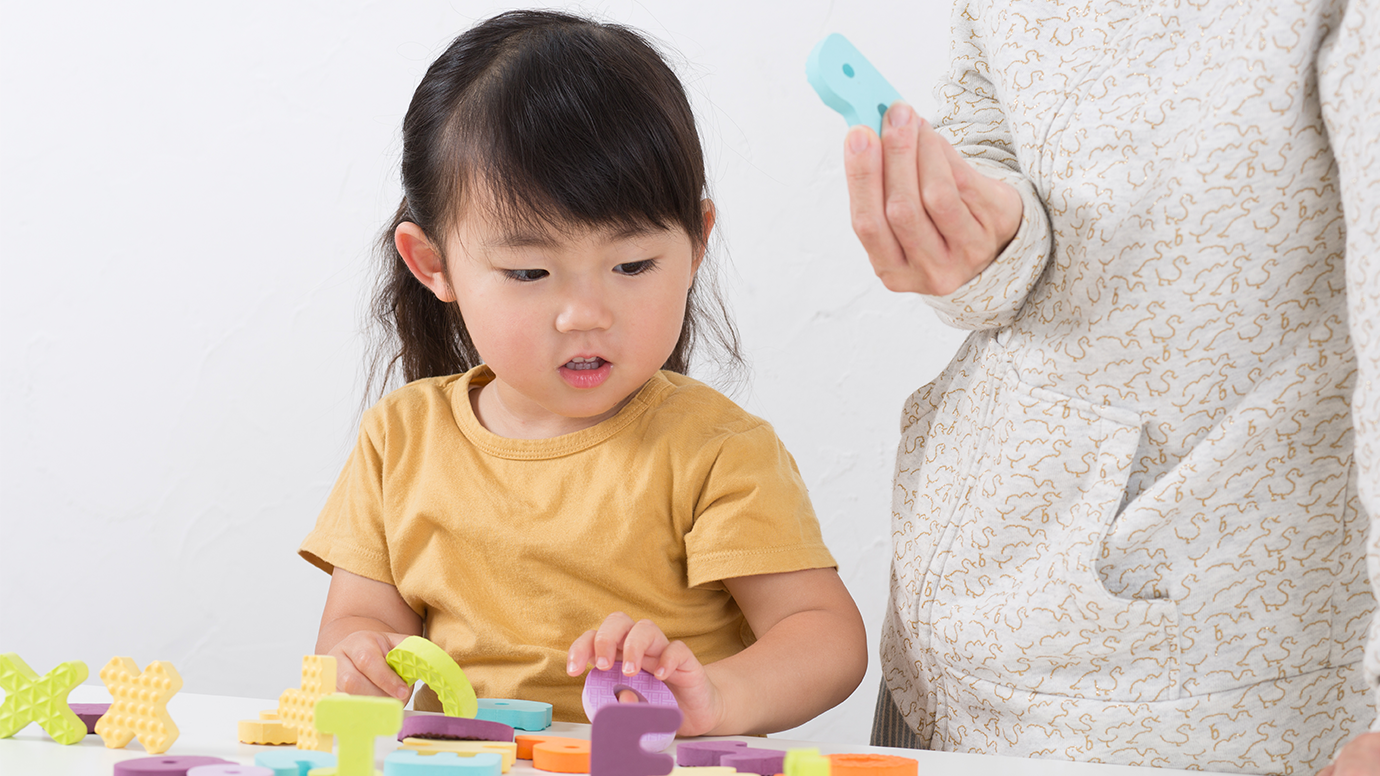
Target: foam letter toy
523 715
140 706
700 754
504 749
29 698
230 769
702 770
165 766
293 762
527 743
616 740
764 762
848 83
805 762
267 729
561 755
602 688
408 762
457 728
89 713
418 659
297 706
872 765
356 720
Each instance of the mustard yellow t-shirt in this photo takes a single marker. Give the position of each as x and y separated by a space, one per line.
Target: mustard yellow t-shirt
509 549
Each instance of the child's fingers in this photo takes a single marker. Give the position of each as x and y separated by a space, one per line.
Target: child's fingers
372 675
609 638
581 653
644 638
675 661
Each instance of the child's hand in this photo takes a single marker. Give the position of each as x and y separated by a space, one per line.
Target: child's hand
361 664
641 646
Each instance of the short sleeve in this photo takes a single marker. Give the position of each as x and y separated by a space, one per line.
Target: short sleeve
349 532
753 514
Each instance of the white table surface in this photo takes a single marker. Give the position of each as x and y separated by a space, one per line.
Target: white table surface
208 725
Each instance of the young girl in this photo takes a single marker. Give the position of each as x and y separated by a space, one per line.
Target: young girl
550 492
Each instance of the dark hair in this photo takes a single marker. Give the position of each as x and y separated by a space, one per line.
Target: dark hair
564 123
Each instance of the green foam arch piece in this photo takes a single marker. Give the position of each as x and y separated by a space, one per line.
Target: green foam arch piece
417 659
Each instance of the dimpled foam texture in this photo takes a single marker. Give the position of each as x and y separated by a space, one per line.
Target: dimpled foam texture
297 706
139 705
602 688
416 659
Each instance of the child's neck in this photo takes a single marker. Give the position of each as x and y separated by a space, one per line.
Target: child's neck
519 418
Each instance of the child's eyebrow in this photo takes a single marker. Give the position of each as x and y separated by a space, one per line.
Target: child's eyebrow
522 239
547 239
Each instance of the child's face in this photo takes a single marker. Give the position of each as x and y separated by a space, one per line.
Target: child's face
572 323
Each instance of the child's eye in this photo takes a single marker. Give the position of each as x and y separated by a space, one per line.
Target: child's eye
525 275
635 267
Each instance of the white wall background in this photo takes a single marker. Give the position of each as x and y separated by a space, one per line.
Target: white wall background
188 195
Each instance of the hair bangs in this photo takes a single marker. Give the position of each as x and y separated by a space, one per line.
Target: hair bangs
567 131
540 121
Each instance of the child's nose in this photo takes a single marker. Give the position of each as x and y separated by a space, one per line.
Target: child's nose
584 311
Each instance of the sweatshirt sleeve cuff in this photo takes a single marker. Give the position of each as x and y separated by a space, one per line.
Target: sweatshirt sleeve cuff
995 296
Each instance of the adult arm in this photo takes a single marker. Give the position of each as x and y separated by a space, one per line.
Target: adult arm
1349 83
945 211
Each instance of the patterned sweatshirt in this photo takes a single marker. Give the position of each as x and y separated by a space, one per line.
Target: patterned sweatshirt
1130 518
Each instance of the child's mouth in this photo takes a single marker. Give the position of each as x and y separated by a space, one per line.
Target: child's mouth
584 372
585 363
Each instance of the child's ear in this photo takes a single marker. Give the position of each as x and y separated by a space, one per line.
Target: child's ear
707 208
426 263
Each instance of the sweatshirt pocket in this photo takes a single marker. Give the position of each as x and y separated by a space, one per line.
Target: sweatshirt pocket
1017 599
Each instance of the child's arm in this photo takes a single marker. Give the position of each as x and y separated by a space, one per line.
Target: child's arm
363 620
810 654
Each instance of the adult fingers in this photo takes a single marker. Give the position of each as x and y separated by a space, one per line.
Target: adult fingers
907 177
993 203
644 638
952 221
862 164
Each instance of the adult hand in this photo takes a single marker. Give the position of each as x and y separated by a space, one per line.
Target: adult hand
1360 757
930 222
